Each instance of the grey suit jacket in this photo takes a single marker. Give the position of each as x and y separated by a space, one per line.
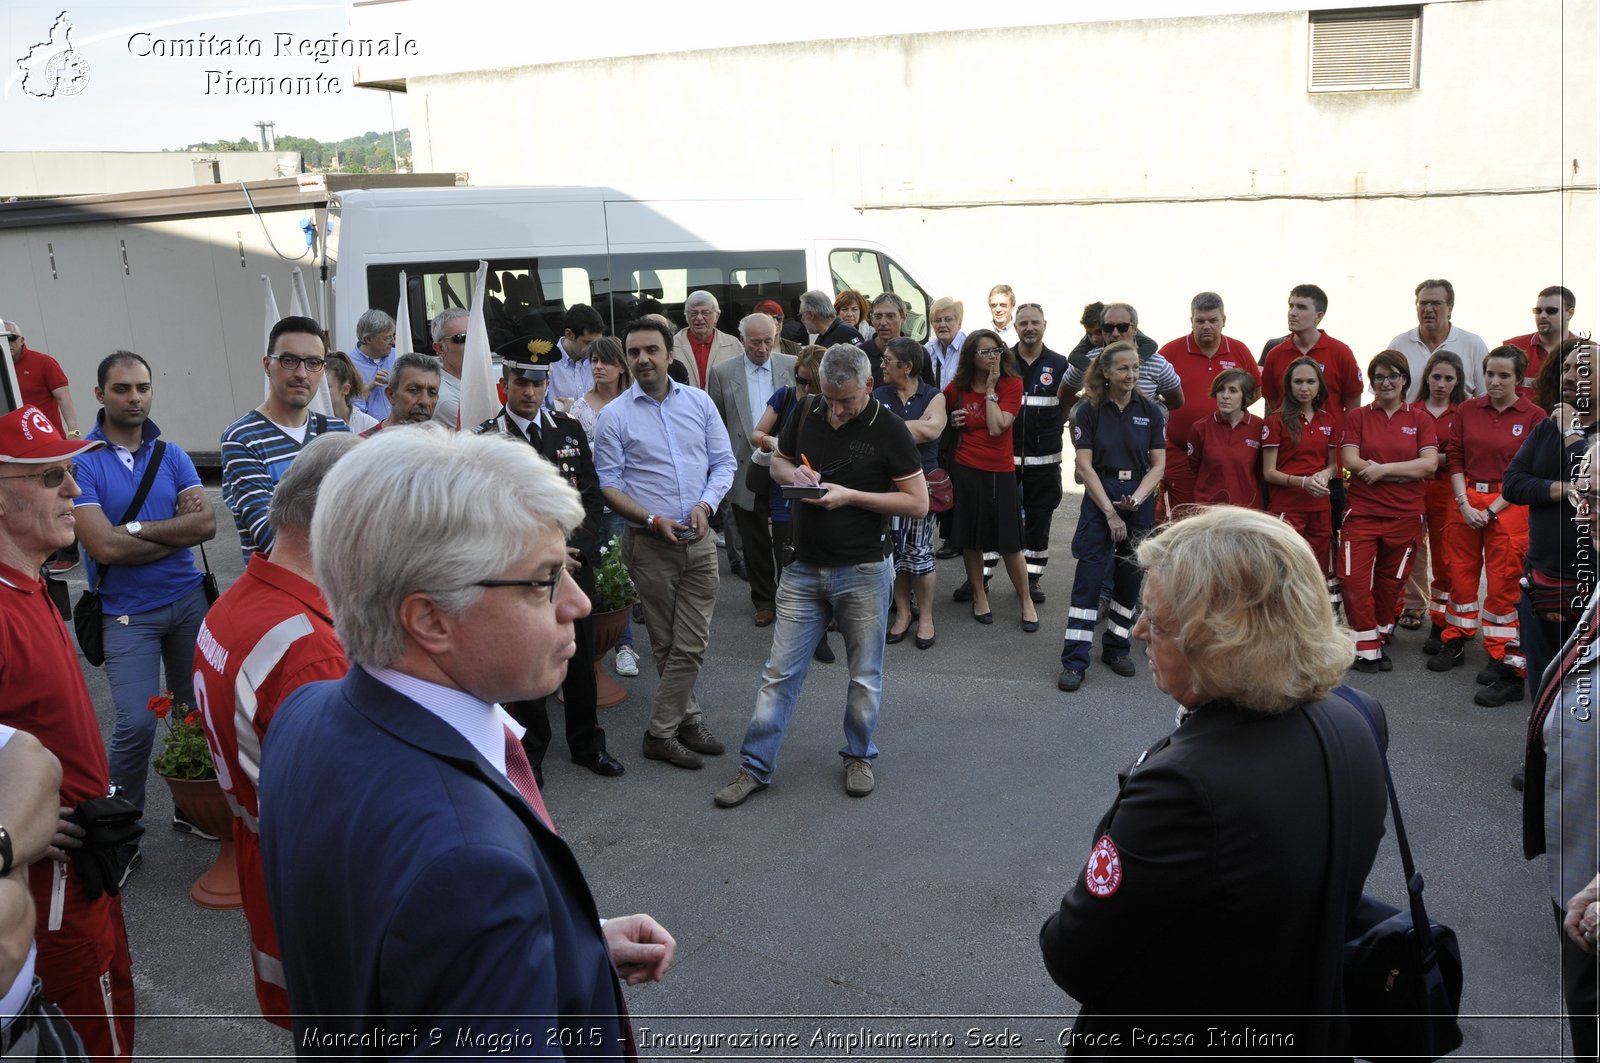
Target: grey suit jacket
732 399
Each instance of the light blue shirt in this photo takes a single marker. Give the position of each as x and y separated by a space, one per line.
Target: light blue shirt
481 723
569 377
668 455
757 386
376 401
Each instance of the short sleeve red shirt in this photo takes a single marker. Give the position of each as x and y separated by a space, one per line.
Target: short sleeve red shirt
1530 346
1226 461
1442 423
977 449
39 376
1339 371
1482 441
42 689
1196 372
1385 438
1307 455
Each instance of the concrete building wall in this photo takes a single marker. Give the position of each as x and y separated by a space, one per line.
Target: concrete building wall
1143 159
26 174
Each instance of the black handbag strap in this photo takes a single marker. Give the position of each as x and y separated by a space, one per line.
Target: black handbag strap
1419 911
1329 972
148 481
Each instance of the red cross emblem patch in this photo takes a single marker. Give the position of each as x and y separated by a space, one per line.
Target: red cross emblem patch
1103 874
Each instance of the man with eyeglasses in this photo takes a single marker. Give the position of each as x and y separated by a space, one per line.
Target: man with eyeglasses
43 384
420 890
699 345
449 332
1197 358
665 464
1552 320
83 948
258 448
1436 302
527 418
1002 304
142 562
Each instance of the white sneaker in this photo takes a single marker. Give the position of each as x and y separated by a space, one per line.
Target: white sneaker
627 662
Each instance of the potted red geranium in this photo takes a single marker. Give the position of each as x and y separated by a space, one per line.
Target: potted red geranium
185 763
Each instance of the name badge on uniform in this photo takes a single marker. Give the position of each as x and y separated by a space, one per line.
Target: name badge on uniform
1256 443
1409 430
1142 422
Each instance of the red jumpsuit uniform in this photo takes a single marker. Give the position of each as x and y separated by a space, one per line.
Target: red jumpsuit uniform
1305 513
1226 461
268 636
1196 372
1383 522
1481 444
83 948
1438 510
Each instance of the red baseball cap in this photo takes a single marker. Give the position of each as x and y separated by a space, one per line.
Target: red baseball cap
28 437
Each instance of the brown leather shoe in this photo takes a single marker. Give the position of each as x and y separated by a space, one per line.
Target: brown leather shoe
672 751
697 736
764 617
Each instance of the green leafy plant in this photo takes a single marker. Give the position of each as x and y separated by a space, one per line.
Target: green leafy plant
613 587
185 754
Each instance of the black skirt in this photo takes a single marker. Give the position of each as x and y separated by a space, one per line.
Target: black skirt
988 513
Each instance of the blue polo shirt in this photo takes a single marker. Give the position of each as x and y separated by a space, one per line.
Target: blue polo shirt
107 482
1120 439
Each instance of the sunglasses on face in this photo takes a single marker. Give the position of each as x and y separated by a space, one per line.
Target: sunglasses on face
1120 326
1551 310
803 381
460 337
50 477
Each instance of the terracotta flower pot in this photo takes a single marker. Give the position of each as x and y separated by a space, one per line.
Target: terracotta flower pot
607 629
205 805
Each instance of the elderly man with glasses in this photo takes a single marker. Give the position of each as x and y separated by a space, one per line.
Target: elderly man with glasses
83 958
258 448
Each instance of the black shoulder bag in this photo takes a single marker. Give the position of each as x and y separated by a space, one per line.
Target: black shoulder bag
86 616
1402 972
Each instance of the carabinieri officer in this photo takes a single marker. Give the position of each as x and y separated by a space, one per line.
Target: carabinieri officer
1120 438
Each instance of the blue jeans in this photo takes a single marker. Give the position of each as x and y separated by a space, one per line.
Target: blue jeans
613 524
859 598
135 654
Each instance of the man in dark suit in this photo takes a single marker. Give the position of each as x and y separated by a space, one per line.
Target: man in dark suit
734 387
562 441
422 899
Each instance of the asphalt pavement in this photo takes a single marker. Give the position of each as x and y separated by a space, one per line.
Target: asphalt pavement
813 925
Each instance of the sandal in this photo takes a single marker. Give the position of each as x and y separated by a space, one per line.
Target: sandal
1411 620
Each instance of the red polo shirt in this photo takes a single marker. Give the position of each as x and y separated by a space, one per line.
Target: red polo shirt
1385 438
1530 346
1305 456
1196 372
1442 423
39 376
1226 461
1339 371
1483 440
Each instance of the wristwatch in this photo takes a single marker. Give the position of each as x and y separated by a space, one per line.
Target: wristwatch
135 528
992 397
